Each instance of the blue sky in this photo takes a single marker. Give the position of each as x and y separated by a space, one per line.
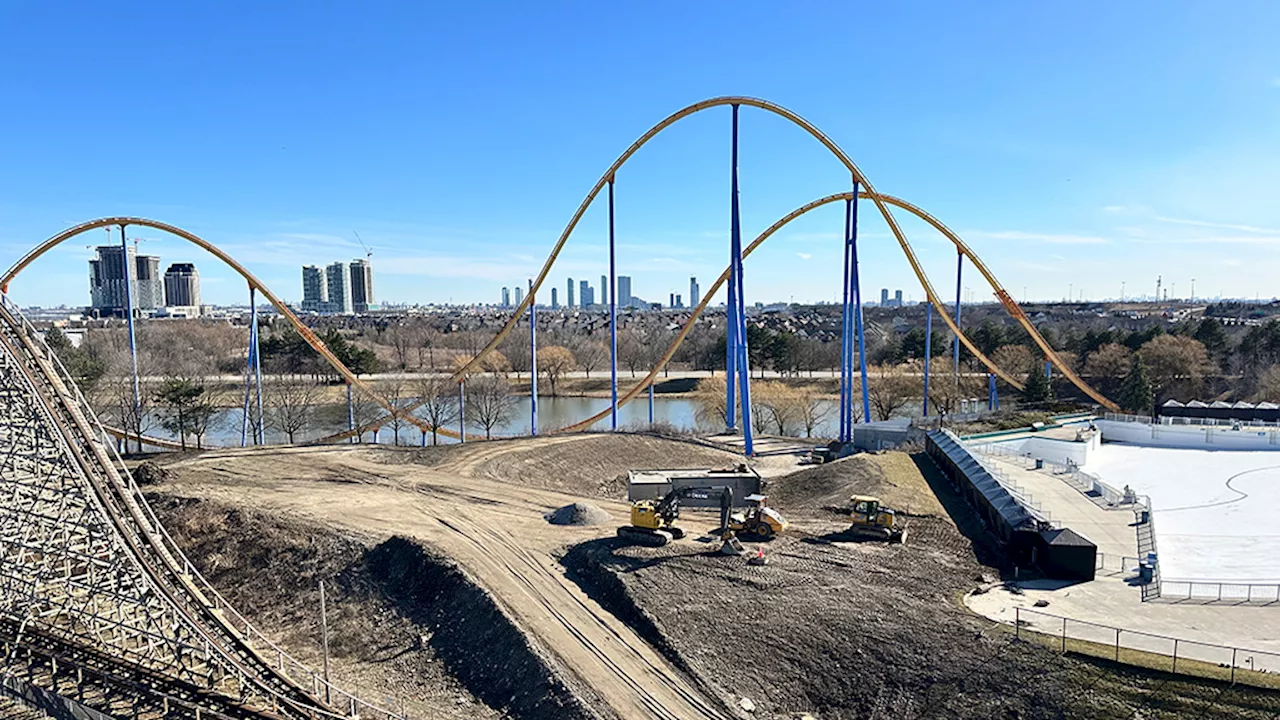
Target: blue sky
1083 145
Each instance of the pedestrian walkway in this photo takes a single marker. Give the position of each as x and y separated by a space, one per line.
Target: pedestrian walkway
1111 530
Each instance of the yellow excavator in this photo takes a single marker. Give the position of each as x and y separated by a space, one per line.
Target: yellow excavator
653 523
872 520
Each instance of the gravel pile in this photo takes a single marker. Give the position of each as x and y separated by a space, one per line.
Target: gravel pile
579 514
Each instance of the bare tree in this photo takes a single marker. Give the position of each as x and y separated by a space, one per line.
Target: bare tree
812 409
589 354
364 410
290 404
489 402
555 362
401 340
890 390
427 339
395 393
439 398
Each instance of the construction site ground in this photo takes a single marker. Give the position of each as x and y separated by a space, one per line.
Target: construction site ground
829 627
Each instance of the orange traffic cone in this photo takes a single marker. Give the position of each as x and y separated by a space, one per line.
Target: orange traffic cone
759 558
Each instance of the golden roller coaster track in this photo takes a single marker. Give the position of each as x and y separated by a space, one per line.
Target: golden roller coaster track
882 203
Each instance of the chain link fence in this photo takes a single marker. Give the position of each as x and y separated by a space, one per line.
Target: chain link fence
1256 668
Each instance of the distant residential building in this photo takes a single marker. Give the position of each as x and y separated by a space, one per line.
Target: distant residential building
586 297
569 295
604 290
897 298
339 298
315 289
884 297
182 286
519 295
506 297
362 286
671 300
555 302
107 279
149 291
695 295
679 301
624 291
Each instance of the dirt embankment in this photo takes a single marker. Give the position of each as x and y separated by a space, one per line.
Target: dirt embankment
405 622
868 630
590 465
890 476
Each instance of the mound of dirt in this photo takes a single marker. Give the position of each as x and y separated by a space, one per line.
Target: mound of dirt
589 465
891 476
579 514
149 473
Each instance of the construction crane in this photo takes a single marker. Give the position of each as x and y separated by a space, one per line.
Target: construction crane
367 252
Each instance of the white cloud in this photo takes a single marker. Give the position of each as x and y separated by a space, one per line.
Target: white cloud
805 256
1051 238
1221 226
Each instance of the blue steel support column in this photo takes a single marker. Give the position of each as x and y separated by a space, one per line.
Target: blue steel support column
846 341
257 364
351 414
650 405
743 367
731 302
1048 370
991 391
955 350
613 323
533 362
133 344
248 384
857 312
928 350
462 410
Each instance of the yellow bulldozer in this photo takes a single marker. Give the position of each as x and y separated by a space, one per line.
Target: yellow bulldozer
654 523
873 520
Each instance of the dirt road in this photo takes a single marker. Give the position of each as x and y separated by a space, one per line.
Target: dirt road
493 529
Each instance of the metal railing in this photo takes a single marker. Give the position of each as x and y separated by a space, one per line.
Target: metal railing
1234 593
1105 564
1159 652
1019 493
184 569
1208 422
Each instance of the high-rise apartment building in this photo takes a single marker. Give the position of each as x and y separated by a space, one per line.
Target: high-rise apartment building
519 295
884 297
149 290
506 297
585 295
315 289
694 295
679 301
624 291
897 298
107 279
569 295
182 286
339 298
671 300
362 286
604 290
555 301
